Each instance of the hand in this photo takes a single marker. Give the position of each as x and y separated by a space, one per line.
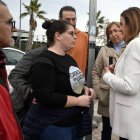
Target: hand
86 90
92 93
84 100
111 68
89 92
106 69
34 101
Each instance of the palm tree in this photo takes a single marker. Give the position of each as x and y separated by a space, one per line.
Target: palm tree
100 20
33 11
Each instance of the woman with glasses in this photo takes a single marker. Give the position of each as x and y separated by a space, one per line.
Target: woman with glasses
58 88
125 82
107 55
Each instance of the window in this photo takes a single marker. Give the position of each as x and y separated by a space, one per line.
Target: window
12 56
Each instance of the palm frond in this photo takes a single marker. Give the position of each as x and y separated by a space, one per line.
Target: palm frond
33 11
24 14
26 7
98 14
41 17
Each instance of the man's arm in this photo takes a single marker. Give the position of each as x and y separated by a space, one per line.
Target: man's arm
19 76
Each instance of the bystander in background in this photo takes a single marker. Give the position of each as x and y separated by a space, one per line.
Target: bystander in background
108 55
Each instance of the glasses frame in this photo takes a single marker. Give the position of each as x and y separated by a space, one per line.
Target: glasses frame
11 21
72 33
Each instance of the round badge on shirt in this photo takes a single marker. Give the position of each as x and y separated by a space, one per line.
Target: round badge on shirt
77 79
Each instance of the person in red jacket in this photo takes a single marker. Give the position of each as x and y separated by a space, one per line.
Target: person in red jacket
9 127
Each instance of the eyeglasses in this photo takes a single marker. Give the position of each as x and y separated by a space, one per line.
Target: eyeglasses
10 22
72 33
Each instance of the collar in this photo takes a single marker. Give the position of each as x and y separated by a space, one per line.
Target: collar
120 45
77 31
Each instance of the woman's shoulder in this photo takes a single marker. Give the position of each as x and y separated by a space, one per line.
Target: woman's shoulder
107 50
45 57
136 40
70 58
135 43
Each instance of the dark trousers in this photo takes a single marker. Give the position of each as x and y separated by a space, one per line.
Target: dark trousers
53 132
106 130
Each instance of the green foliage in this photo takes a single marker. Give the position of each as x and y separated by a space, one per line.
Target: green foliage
100 21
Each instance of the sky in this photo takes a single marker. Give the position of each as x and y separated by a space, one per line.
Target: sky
111 9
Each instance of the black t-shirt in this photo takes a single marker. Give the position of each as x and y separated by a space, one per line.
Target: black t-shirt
53 77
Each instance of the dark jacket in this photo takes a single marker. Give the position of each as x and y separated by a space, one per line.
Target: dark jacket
36 122
19 79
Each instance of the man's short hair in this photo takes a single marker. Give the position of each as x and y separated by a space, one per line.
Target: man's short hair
2 3
66 8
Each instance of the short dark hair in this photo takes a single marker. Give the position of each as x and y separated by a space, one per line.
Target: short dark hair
66 8
2 3
132 20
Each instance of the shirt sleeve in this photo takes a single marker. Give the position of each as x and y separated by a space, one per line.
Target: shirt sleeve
97 72
43 84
